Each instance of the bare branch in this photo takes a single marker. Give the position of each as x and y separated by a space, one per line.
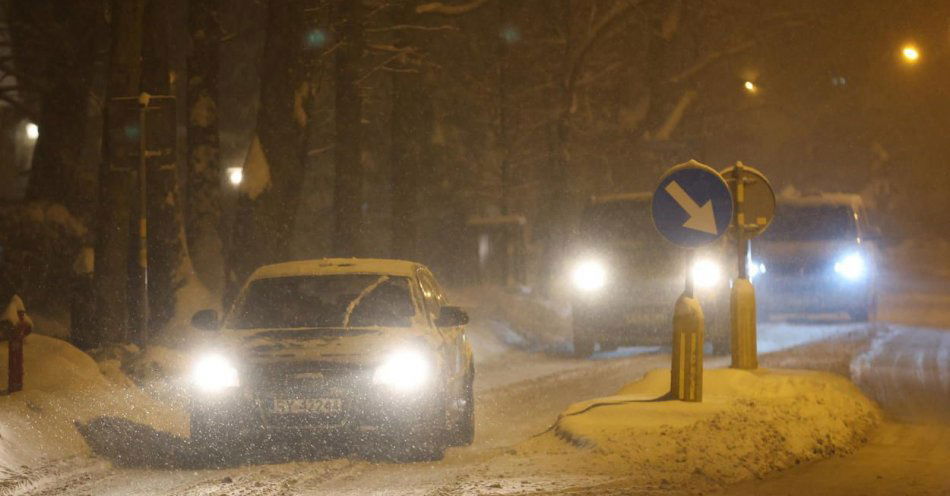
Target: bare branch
412 27
709 59
441 8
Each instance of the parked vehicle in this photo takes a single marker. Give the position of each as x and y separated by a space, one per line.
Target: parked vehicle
332 348
818 256
626 279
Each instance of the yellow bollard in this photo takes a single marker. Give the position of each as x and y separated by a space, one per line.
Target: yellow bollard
742 310
687 371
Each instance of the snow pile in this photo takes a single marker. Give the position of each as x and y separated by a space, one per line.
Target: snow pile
748 424
63 385
521 319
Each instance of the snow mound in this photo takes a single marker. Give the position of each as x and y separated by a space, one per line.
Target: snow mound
520 319
749 423
63 386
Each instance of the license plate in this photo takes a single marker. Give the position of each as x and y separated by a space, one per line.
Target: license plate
326 406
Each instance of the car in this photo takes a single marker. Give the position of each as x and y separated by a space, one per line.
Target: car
625 279
337 349
819 255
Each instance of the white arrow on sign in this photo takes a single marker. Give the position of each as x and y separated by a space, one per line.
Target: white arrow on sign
700 218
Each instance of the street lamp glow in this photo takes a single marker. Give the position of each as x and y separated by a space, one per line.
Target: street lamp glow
911 54
32 131
750 87
235 175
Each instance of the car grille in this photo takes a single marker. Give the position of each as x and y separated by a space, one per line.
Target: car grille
796 267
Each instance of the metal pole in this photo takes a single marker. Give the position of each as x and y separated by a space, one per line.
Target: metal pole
688 290
739 214
742 298
143 219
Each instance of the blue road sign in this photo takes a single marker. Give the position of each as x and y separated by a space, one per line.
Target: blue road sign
692 206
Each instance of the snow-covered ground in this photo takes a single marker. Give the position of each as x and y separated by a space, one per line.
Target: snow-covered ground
748 424
63 386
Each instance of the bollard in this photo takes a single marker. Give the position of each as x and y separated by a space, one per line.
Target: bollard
742 311
687 371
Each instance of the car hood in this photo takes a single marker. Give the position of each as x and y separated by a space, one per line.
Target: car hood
804 250
355 346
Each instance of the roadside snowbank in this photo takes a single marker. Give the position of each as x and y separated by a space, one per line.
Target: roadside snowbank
63 385
519 318
748 424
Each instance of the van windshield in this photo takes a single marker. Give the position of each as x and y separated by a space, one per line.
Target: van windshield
346 300
811 223
618 220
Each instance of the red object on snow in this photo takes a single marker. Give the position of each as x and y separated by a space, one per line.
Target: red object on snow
20 330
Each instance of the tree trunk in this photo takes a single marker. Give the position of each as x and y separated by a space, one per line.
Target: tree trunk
203 213
410 131
168 264
274 169
56 44
348 186
115 186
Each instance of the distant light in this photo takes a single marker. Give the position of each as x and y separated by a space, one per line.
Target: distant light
316 38
235 175
511 34
32 131
911 54
750 87
839 81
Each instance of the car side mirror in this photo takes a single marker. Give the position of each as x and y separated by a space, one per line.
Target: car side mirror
206 320
874 234
451 317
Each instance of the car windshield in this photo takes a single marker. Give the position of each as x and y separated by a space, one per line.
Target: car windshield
348 300
618 220
811 223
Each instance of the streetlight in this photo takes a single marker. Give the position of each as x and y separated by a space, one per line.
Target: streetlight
235 175
910 53
750 87
32 131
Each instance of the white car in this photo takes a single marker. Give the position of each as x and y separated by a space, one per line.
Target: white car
337 348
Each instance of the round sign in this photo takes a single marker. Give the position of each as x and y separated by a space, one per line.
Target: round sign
755 203
692 205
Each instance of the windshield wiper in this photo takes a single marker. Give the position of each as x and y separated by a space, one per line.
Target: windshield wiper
359 298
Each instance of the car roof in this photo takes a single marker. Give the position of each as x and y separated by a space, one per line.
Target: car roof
843 199
332 266
620 197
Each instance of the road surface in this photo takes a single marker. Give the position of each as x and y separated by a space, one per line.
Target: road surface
519 394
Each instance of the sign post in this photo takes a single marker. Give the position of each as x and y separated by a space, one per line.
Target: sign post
146 131
692 206
754 210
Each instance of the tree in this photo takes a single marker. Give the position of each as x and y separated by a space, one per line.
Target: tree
55 59
348 186
410 125
203 213
168 262
274 169
115 185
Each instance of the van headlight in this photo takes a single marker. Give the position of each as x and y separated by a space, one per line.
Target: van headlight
589 275
851 267
214 373
756 269
706 273
404 371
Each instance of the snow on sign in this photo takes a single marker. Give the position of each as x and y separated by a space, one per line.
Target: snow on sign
692 205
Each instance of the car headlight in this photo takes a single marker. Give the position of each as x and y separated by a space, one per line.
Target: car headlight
214 373
404 371
756 269
851 267
706 273
589 275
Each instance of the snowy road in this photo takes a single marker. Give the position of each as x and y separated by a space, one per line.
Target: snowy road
519 394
